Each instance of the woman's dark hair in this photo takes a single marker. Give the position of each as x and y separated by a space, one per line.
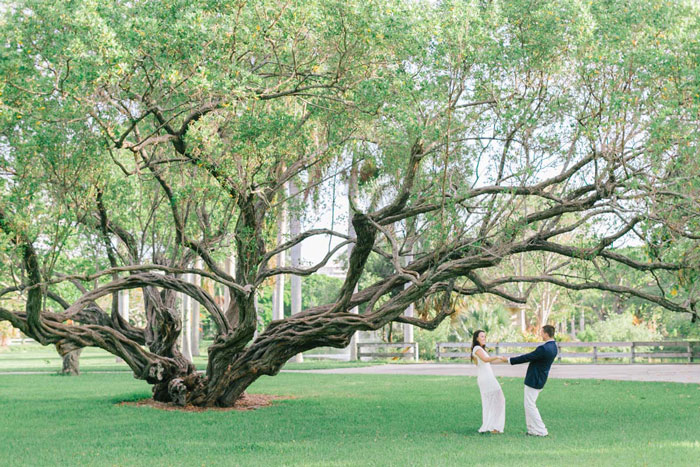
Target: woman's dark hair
475 342
549 329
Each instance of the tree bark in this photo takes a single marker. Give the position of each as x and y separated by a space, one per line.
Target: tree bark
164 329
229 266
409 313
71 358
194 314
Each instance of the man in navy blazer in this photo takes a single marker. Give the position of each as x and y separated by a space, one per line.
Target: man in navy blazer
540 362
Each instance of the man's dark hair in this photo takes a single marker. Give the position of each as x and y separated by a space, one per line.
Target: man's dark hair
549 329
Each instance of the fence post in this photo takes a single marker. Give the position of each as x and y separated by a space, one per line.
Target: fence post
558 352
357 351
497 348
690 352
415 355
437 351
633 350
595 354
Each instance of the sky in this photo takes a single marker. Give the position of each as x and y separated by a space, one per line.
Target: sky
315 248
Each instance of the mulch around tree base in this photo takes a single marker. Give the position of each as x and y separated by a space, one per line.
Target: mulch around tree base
247 402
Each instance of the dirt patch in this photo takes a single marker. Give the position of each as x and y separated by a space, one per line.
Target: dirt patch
247 402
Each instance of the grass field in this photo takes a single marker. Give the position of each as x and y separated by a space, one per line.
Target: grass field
348 420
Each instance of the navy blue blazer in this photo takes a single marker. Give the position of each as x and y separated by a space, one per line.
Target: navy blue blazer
540 362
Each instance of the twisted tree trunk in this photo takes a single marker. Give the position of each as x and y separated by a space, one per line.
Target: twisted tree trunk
71 358
194 330
272 349
164 329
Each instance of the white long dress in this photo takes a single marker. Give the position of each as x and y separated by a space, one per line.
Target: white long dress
493 403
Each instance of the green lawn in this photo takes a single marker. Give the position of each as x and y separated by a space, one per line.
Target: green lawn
348 420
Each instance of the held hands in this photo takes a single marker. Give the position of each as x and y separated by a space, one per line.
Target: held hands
502 359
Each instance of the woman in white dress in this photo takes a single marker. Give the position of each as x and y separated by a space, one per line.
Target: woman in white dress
493 403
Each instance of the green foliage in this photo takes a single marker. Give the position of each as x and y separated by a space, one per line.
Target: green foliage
316 289
491 318
619 328
678 326
427 340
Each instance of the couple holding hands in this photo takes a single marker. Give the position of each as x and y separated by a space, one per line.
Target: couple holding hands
493 403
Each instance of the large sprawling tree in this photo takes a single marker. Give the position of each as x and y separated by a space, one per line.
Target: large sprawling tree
141 137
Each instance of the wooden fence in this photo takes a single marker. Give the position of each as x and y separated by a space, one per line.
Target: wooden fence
21 341
686 350
384 350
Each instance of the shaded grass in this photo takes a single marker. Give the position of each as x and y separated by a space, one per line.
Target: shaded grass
349 420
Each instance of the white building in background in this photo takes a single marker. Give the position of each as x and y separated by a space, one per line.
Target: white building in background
333 270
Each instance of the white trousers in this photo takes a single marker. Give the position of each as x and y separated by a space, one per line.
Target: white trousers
535 425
